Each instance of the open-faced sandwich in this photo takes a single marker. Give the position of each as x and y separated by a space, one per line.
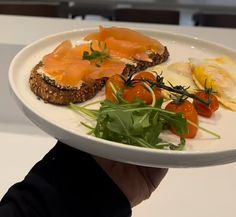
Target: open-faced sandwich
75 73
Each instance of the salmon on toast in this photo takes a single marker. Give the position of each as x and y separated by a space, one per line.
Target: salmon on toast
76 73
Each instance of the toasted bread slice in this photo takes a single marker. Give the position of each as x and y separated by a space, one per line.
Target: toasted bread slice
45 88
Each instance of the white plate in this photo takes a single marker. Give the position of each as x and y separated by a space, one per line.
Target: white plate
64 124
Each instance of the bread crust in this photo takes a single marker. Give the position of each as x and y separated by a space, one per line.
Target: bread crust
62 96
48 91
142 65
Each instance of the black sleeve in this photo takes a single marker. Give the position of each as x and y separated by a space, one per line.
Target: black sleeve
65 183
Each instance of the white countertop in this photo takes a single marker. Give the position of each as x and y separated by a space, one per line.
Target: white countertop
201 192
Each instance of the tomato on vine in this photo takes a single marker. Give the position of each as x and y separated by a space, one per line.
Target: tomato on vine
207 96
137 88
145 76
139 91
189 112
118 83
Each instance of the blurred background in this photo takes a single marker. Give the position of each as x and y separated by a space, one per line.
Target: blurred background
185 192
215 13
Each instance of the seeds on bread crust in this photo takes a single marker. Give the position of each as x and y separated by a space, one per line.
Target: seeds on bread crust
62 96
142 65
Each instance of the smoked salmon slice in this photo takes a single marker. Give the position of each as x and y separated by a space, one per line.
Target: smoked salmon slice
74 73
66 66
123 36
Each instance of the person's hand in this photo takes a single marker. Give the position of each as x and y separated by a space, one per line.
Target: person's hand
137 182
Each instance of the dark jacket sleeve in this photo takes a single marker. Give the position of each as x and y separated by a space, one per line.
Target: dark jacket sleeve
65 183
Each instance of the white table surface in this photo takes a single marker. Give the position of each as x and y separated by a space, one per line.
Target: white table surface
201 192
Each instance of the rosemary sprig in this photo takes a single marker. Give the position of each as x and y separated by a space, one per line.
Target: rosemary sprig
178 89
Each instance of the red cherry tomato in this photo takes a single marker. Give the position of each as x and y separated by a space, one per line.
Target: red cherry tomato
137 91
145 75
203 109
190 113
141 92
118 83
157 92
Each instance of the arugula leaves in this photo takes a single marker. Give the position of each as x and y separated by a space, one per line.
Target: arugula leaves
135 123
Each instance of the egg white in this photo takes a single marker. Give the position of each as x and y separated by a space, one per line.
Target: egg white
221 72
175 74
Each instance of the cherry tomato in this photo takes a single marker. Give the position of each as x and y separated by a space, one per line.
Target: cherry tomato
203 109
190 113
141 92
118 83
157 92
145 75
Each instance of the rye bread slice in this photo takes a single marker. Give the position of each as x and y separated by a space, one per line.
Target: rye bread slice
47 90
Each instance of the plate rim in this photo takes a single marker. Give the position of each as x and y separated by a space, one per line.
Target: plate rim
22 103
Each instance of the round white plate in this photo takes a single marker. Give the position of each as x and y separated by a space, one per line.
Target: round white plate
64 124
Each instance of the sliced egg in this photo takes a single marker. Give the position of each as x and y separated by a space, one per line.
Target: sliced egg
218 74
